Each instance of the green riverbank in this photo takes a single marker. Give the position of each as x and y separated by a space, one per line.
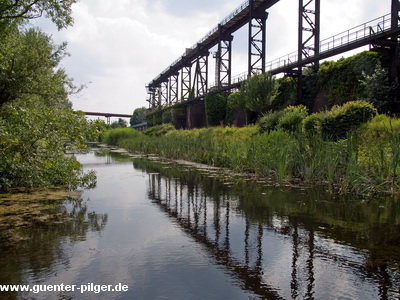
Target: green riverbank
365 161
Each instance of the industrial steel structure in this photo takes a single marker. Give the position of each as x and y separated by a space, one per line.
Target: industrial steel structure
187 77
108 116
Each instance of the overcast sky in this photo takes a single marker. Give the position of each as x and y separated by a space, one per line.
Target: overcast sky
119 46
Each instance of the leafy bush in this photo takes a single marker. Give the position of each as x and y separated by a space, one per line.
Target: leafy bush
154 117
378 90
341 79
379 127
288 119
33 141
235 101
270 120
287 93
112 137
312 124
291 118
215 109
342 119
259 91
138 116
159 130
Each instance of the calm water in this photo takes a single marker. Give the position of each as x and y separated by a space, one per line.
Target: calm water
172 232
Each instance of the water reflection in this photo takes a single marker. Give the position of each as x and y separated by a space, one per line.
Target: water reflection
32 252
283 244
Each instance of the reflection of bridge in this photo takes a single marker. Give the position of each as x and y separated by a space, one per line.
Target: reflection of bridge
188 77
249 248
108 116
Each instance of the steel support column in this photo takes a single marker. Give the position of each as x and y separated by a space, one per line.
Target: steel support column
186 82
173 89
201 74
308 38
257 40
309 30
224 60
157 96
164 100
150 92
394 48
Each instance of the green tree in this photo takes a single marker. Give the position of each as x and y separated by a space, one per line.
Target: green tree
29 68
121 123
378 90
59 11
259 91
236 101
37 124
138 116
33 141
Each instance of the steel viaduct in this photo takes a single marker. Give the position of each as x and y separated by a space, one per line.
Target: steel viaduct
186 79
108 116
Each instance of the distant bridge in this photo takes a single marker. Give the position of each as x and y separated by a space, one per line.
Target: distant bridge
188 77
108 116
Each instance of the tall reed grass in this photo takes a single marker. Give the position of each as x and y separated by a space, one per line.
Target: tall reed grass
366 162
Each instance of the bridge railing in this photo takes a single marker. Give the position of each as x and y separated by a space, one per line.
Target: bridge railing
358 33
282 61
363 31
232 15
238 10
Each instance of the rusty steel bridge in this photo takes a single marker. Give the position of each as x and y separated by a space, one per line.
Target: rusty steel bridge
186 78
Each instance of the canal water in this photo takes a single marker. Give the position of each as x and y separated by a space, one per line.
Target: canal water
152 229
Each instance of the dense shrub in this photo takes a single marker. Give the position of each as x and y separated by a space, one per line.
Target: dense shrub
112 137
259 91
380 127
368 161
312 124
288 119
270 121
159 130
235 101
378 90
287 92
154 117
292 117
33 141
215 109
341 79
341 119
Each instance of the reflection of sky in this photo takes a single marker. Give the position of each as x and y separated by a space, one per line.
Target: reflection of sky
145 248
139 247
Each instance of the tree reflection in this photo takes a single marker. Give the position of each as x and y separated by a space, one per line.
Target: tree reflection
34 250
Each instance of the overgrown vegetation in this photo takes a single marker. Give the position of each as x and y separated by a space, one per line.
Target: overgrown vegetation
364 159
215 106
362 76
328 137
37 124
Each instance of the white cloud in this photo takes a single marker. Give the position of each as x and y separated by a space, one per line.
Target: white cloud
121 45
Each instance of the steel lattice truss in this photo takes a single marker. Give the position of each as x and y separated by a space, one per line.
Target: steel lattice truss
188 76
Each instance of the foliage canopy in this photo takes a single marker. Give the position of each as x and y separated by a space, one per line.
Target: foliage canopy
37 124
59 11
259 91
